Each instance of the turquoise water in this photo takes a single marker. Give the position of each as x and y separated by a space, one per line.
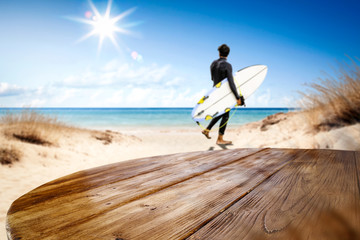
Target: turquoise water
150 117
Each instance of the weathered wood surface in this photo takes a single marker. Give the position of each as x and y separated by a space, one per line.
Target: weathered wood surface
230 194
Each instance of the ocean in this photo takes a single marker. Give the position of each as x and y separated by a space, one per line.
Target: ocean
99 118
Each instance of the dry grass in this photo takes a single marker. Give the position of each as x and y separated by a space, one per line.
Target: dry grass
32 127
105 137
9 155
334 102
271 120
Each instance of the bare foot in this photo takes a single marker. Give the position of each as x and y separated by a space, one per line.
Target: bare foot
206 133
223 142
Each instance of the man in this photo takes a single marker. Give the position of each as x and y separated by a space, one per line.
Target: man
221 69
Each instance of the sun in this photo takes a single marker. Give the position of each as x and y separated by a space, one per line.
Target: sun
104 26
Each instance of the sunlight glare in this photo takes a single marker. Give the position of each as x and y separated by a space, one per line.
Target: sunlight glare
103 25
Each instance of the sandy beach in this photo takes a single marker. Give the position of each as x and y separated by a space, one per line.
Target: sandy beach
75 149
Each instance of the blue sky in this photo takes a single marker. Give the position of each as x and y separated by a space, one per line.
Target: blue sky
42 63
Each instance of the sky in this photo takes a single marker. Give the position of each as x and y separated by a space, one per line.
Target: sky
162 56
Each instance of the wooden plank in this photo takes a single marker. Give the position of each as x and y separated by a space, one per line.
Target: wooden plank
88 179
316 196
117 184
171 211
112 175
176 211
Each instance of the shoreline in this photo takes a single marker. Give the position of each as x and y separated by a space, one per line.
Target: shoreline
120 118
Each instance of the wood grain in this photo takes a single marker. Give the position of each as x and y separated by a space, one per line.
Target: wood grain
230 194
314 197
71 197
178 210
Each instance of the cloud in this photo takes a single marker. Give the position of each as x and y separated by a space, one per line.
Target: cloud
115 84
96 94
261 98
153 97
118 74
62 96
7 89
118 84
267 98
264 98
289 101
116 99
37 102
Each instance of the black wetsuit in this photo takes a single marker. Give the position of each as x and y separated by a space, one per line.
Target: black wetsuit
221 69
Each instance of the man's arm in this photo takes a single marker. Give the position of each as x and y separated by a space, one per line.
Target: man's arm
231 81
240 99
211 71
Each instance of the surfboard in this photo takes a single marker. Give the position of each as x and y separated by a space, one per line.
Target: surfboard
220 98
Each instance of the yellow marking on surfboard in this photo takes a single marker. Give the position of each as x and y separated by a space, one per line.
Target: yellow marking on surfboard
202 100
208 117
227 109
218 85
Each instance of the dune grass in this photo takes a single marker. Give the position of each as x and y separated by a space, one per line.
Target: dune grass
9 155
333 101
32 127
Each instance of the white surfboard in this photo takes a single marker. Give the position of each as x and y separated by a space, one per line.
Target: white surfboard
220 98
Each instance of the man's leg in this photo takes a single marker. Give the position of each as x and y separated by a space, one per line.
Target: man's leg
211 124
223 124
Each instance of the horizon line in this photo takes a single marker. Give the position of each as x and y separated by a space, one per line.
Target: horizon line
137 108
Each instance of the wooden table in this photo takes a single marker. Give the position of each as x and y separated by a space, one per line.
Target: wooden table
229 194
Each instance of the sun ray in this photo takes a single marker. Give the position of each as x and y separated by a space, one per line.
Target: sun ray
94 9
133 24
112 38
86 21
108 9
86 36
122 30
124 14
101 39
